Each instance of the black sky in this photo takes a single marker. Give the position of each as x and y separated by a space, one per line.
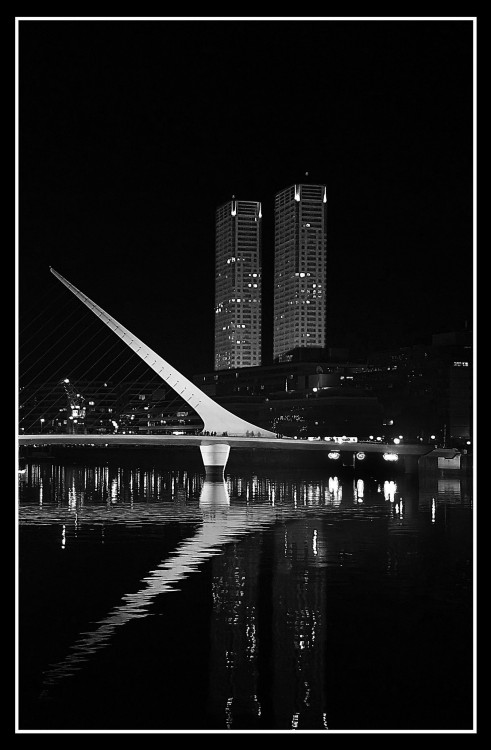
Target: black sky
131 133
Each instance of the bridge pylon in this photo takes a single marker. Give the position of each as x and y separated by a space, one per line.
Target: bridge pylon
216 419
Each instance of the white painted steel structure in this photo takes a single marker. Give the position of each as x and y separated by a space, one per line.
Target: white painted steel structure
215 417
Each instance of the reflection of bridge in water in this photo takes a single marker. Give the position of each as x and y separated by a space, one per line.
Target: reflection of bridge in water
270 649
222 524
235 629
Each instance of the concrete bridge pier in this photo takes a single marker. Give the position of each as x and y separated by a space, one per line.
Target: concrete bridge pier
215 457
213 495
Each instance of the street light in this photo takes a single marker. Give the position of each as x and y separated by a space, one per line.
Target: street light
42 420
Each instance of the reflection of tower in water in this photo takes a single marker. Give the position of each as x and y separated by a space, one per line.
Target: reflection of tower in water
233 691
299 625
268 637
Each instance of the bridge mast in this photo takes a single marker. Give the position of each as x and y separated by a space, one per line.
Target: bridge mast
216 419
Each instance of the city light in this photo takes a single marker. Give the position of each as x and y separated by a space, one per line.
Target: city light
359 491
391 457
333 454
333 484
360 456
390 489
397 441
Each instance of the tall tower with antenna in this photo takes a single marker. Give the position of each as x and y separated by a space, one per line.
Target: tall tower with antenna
238 285
300 269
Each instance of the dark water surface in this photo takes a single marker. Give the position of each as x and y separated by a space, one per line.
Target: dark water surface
150 599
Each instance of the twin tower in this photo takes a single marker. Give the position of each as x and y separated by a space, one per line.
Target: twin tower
299 295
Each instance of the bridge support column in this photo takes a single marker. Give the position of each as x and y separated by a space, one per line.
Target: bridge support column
215 457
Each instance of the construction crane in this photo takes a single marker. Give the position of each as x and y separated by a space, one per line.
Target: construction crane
76 407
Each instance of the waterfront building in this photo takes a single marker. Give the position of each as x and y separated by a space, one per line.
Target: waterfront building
314 396
125 407
47 407
426 389
300 269
416 392
238 285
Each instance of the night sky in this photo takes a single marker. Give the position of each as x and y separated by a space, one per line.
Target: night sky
132 133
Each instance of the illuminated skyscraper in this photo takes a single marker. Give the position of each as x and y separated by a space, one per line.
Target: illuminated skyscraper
238 285
300 269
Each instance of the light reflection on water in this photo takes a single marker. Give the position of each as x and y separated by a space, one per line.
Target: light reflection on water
219 527
312 536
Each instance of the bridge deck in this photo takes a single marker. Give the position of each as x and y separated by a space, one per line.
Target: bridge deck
237 442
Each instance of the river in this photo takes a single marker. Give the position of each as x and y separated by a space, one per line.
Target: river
151 600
